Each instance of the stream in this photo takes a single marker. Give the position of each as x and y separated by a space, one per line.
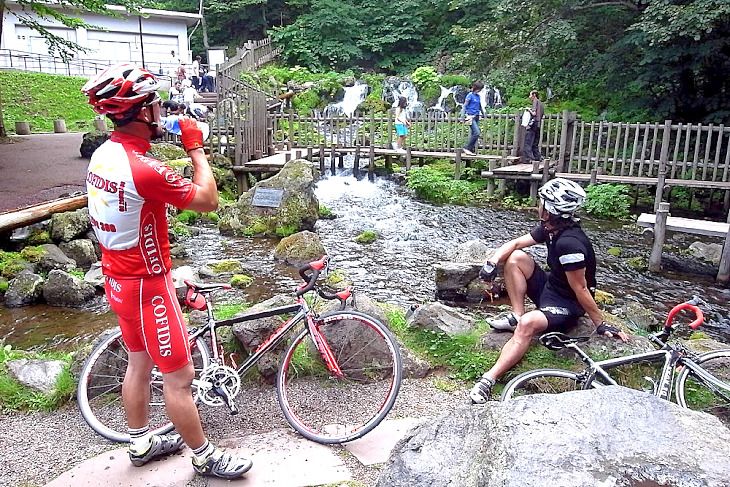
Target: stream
398 267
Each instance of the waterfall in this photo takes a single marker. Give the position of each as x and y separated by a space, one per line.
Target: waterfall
445 93
354 95
394 88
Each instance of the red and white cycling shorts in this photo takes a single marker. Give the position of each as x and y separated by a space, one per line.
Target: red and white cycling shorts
151 319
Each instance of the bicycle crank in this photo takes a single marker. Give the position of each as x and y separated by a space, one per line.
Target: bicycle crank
219 385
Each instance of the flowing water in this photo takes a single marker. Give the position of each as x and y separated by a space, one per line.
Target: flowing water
398 267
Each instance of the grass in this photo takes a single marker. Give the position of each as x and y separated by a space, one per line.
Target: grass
15 396
41 98
225 311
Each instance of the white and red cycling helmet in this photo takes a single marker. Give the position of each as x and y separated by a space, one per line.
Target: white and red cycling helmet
120 88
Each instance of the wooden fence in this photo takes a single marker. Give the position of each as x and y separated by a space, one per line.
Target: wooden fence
251 56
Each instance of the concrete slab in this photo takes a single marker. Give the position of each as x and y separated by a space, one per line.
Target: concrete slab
375 447
112 469
280 458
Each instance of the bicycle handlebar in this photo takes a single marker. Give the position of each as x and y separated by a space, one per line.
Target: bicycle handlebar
689 305
311 279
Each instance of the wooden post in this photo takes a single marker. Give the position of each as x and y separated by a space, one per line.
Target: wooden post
566 133
59 126
333 160
100 124
660 230
723 275
490 181
22 128
408 159
321 158
291 129
457 165
309 153
594 174
371 164
534 182
389 163
390 130
663 157
356 163
518 137
372 130
287 157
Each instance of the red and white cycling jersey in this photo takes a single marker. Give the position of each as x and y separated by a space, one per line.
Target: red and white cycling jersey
127 196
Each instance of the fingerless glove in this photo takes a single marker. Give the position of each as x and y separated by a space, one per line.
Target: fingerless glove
190 134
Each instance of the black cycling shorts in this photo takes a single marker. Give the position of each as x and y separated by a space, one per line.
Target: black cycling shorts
561 312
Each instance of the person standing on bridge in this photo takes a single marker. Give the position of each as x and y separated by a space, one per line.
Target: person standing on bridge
471 111
401 123
562 296
531 148
128 194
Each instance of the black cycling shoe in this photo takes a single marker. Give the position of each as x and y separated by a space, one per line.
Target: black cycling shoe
223 465
160 446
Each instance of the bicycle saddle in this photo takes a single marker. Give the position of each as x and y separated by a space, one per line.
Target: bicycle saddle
557 340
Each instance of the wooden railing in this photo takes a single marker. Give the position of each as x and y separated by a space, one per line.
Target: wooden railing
432 131
251 56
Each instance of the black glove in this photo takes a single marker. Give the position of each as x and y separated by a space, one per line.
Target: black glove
605 327
488 271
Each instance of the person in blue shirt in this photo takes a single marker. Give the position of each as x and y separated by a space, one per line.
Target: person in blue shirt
472 111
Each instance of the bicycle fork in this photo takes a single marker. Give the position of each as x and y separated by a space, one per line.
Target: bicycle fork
324 349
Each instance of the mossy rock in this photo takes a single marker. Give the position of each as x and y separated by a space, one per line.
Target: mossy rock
164 151
615 251
638 263
12 264
241 280
367 237
38 237
3 285
604 297
338 279
300 248
229 266
325 213
187 217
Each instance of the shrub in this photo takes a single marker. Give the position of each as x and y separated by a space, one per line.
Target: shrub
3 285
609 201
437 184
366 237
187 217
424 75
325 213
449 80
241 280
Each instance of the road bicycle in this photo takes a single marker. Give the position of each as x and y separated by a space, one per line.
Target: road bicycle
338 377
700 381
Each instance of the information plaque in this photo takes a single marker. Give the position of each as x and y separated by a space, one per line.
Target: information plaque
268 197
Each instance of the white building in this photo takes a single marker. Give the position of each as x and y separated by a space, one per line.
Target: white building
110 40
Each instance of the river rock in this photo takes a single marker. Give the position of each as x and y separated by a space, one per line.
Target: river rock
24 290
453 278
63 289
41 375
180 275
439 317
94 275
621 438
687 264
95 240
709 252
362 303
638 316
53 258
69 225
251 334
299 208
81 250
300 248
472 252
600 347
91 141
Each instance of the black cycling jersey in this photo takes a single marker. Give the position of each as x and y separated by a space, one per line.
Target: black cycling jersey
569 249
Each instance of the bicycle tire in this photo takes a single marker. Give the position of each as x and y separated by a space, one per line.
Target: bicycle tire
537 382
694 393
331 410
104 369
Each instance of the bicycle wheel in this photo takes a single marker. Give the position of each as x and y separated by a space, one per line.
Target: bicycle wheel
693 392
329 409
99 393
542 381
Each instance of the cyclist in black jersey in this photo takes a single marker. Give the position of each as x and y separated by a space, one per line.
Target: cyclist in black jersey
561 296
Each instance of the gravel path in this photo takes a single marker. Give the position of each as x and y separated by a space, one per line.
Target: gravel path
37 447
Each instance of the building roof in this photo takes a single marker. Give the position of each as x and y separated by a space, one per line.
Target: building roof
189 18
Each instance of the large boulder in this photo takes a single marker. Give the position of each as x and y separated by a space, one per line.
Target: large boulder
24 290
53 258
63 289
81 250
69 225
41 375
91 141
710 252
620 438
298 210
95 275
439 317
300 248
472 252
453 278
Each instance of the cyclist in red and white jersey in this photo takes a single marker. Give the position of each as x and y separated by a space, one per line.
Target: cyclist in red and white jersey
128 194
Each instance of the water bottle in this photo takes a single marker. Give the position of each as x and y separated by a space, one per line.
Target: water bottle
172 125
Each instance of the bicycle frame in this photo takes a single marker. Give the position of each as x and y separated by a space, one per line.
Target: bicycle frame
302 312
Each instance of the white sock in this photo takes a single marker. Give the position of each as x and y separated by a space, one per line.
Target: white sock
203 452
141 439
